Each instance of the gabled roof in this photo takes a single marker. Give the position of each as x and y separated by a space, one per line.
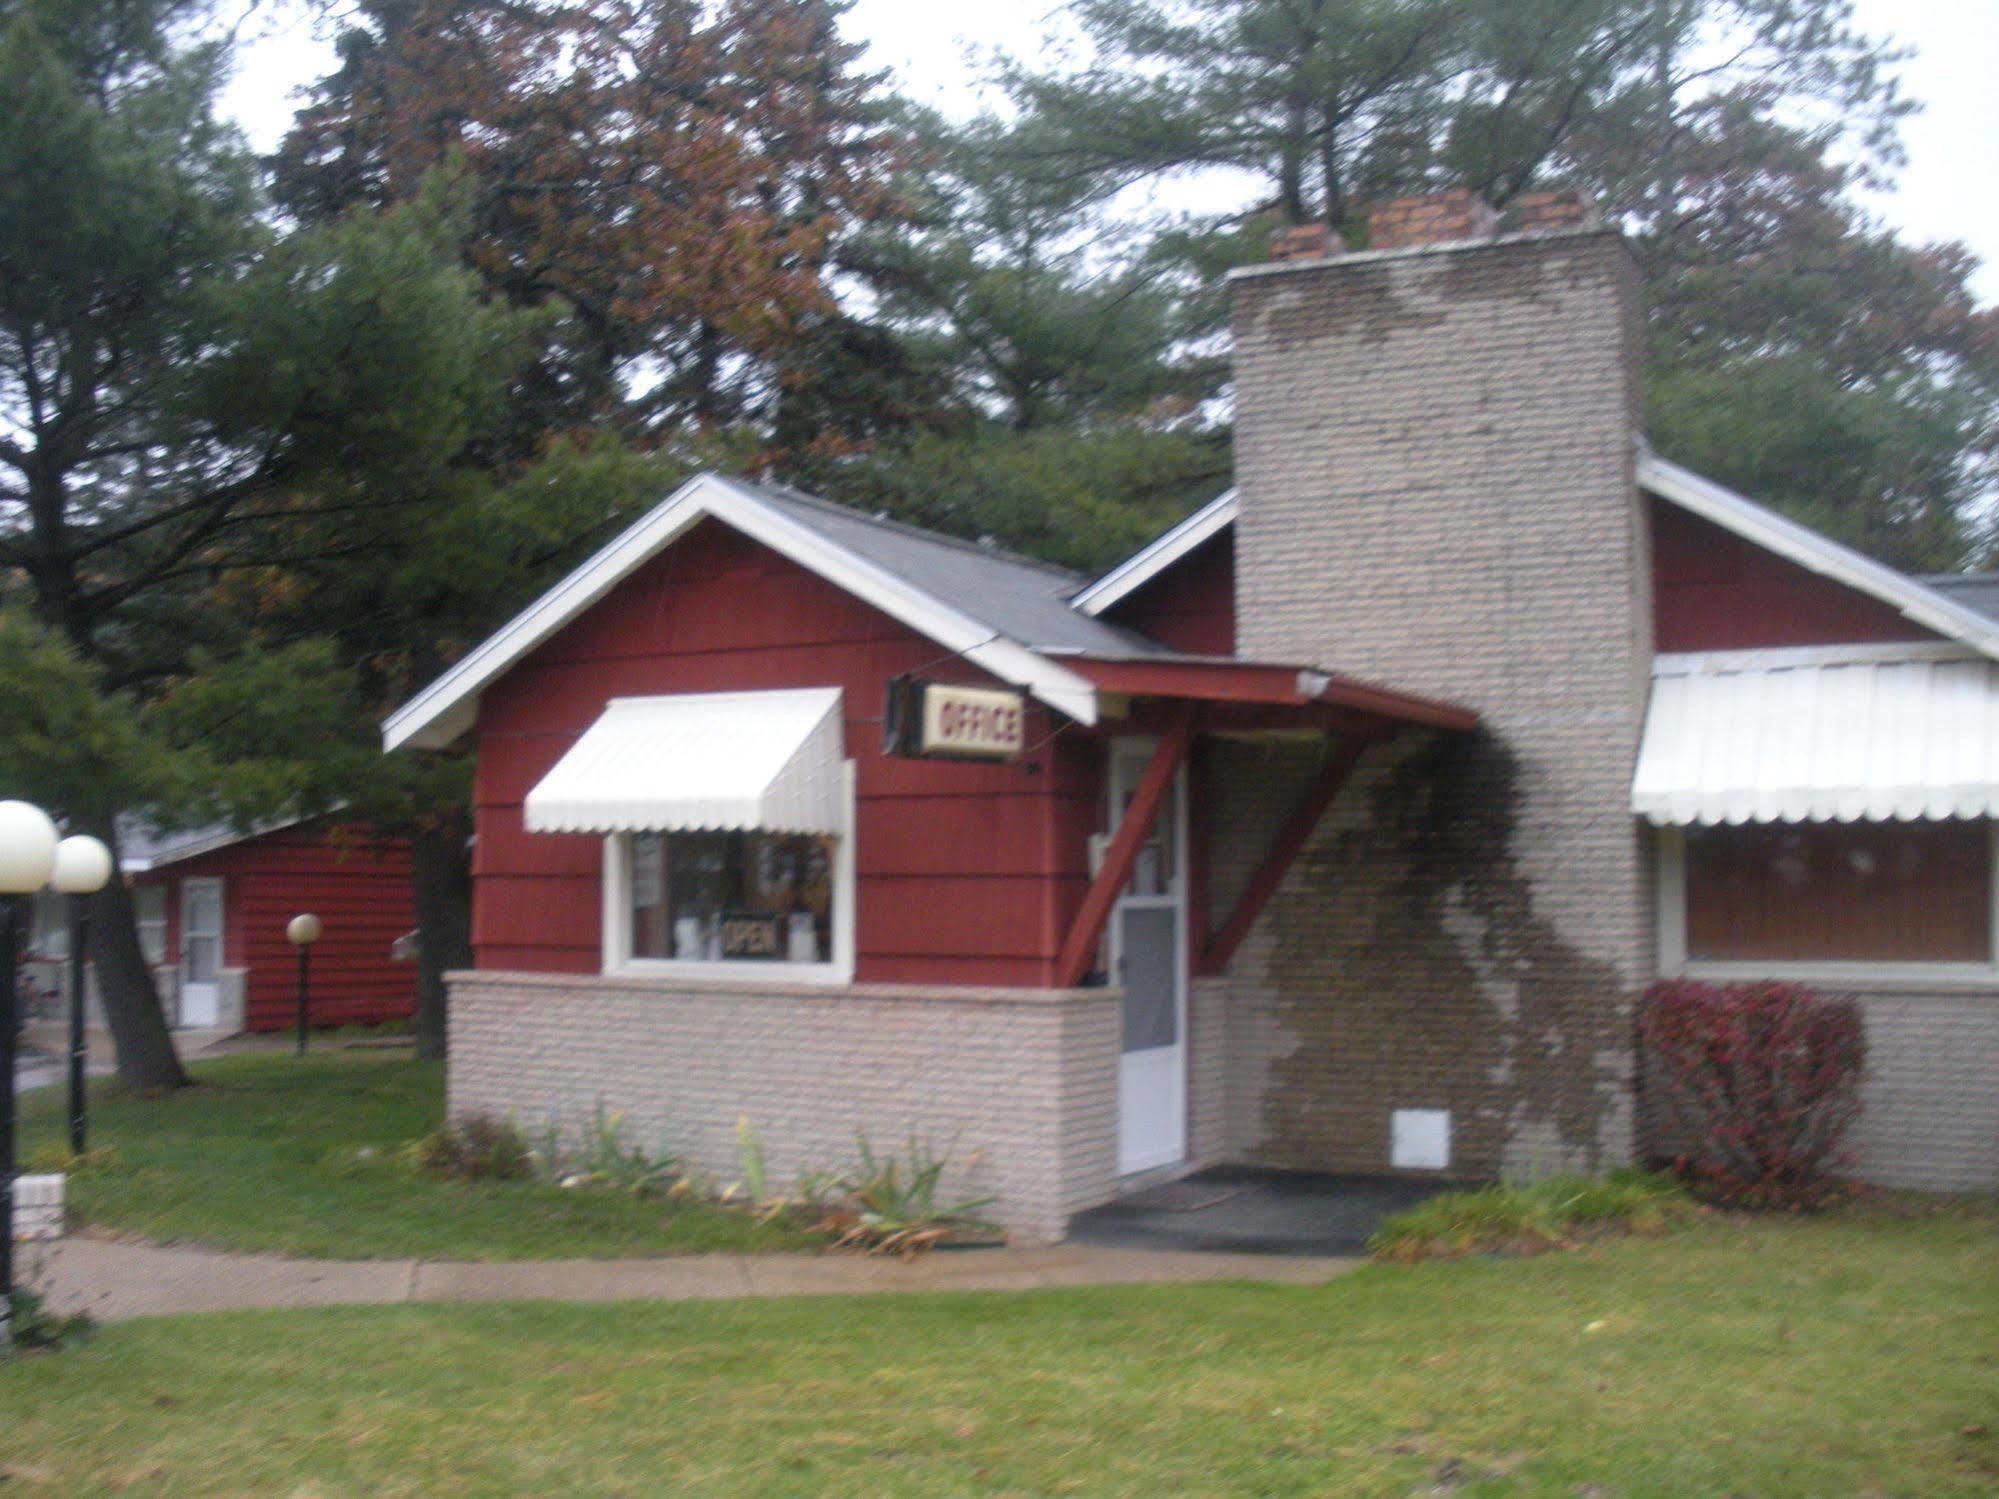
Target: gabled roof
1956 608
1153 559
1911 598
142 847
1002 613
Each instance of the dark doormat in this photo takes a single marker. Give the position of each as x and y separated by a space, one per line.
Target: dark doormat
1248 1210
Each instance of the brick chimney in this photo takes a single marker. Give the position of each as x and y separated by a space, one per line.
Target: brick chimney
1434 467
1302 242
1433 219
1551 212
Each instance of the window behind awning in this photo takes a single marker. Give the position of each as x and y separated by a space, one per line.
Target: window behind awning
708 761
1846 734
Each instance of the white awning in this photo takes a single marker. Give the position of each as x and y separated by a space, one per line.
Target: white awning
1832 734
716 760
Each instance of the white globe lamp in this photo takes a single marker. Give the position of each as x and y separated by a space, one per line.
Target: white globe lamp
82 866
27 848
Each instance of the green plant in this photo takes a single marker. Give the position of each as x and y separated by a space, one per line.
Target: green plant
33 1325
1529 1217
606 1160
476 1147
891 1204
750 1156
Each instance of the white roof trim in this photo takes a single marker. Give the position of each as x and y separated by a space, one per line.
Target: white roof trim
1821 554
701 762
447 707
1142 566
1770 658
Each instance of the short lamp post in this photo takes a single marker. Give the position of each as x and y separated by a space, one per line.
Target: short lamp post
83 867
27 858
302 931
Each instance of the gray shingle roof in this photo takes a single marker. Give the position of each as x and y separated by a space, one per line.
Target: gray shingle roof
1978 591
1025 600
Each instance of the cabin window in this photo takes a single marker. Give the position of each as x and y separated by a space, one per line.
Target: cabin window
745 902
1865 893
732 897
149 909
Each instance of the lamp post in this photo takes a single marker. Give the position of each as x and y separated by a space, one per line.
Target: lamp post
302 931
27 858
82 868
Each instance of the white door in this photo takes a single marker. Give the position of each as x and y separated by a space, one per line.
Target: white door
1148 952
200 952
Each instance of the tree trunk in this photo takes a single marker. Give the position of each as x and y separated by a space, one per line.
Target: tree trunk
441 887
145 1047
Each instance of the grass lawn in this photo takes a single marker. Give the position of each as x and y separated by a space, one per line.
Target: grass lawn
266 1154
1855 1355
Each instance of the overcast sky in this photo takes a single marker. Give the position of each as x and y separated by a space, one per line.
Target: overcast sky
1949 190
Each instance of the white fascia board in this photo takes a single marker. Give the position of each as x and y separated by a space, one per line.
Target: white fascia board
1818 553
1142 566
1785 657
447 708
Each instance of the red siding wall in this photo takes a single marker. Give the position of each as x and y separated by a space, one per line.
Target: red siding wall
358 885
1713 591
967 873
1190 606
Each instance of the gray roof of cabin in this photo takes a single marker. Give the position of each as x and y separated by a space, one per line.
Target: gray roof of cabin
1025 600
1978 591
142 846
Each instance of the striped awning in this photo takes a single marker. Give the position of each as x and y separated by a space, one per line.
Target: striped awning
1833 734
707 761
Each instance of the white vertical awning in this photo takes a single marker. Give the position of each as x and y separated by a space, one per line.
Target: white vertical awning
1820 734
707 761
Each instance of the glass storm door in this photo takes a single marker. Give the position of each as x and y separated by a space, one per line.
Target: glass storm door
200 952
1148 953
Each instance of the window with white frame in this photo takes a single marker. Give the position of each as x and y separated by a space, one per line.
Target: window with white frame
1781 898
741 901
732 897
149 909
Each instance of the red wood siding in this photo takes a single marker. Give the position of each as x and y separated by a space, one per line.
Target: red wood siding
1713 591
1191 605
357 884
966 873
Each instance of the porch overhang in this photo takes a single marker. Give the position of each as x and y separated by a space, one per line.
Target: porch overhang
1254 694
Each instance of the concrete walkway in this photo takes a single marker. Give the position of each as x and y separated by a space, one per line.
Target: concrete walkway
112 1280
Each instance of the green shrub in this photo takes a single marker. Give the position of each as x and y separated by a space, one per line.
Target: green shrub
476 1147
33 1326
890 1205
1529 1217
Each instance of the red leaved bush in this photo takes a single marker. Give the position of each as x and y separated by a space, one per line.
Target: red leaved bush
1763 1081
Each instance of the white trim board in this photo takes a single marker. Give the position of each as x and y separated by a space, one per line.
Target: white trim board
1159 554
446 708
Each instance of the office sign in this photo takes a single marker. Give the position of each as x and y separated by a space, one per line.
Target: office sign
936 721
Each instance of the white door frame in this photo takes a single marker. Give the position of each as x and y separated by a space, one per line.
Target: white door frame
1152 1084
201 1004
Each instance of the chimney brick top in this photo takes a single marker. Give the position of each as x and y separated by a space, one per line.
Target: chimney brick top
1432 219
1301 242
1540 212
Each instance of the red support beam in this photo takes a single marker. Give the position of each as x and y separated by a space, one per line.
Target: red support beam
1283 850
1132 831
